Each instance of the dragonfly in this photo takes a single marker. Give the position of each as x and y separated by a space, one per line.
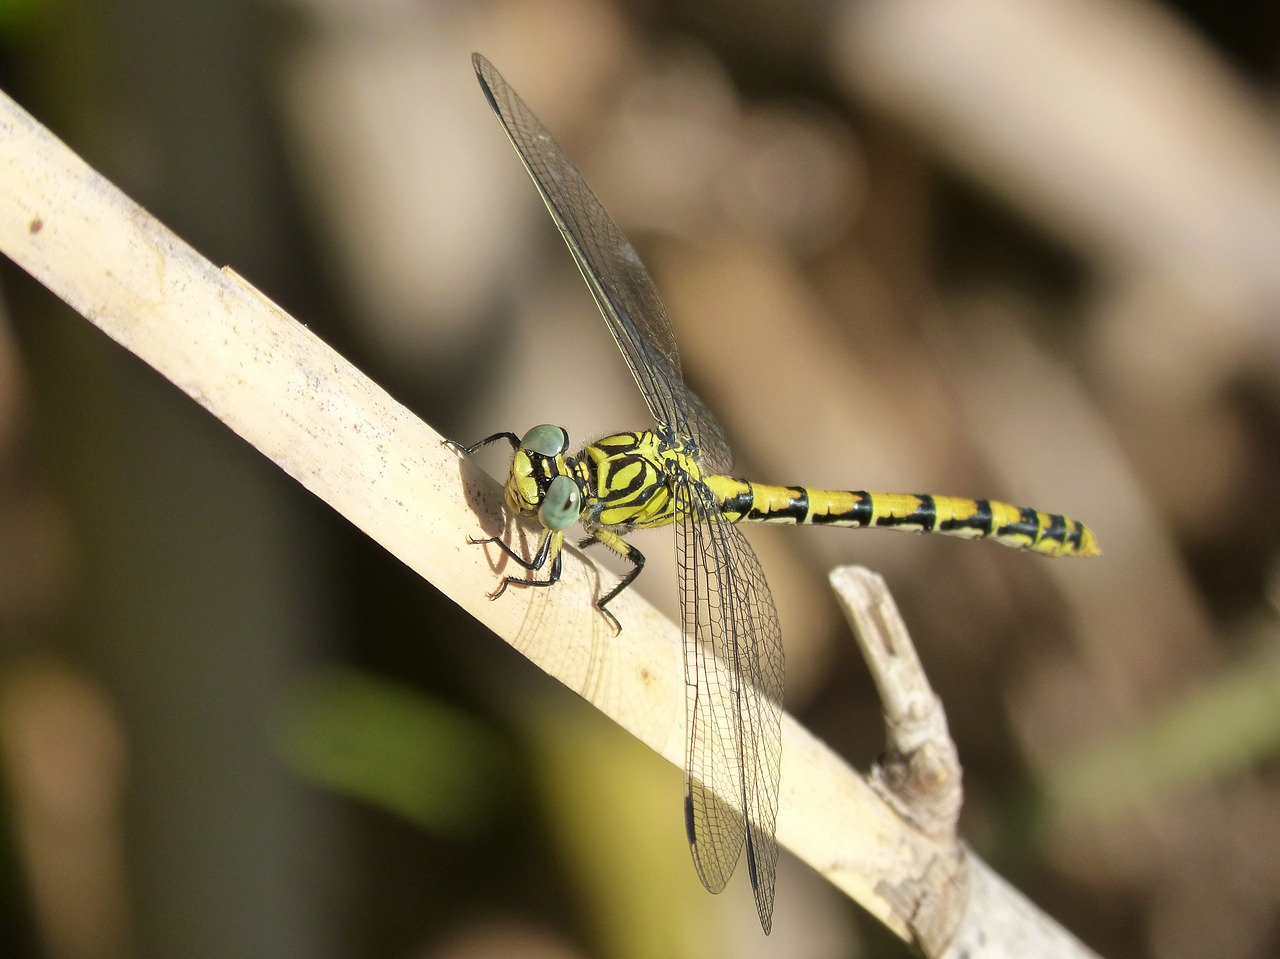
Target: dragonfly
677 474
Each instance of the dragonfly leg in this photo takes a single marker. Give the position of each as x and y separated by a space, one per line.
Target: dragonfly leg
628 552
508 436
549 548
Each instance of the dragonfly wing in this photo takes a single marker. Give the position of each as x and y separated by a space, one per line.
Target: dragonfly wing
733 678
609 263
714 454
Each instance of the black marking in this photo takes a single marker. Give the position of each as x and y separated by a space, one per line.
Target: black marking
1027 526
1056 531
981 519
544 470
798 505
860 514
796 510
923 517
739 504
636 487
622 444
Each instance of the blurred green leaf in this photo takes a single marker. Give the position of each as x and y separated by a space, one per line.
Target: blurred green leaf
394 748
622 836
17 13
1218 731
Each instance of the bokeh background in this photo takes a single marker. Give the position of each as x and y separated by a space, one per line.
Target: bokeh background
1016 248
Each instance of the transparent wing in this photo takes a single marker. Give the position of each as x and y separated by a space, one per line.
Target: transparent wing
733 678
609 263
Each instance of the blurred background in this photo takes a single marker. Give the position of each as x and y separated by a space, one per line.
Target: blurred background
1026 249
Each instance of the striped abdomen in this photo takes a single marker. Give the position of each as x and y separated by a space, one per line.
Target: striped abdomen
1016 526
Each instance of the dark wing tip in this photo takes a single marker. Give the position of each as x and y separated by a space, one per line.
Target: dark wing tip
487 75
763 876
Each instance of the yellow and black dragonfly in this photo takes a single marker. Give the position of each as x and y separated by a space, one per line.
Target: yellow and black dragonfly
677 474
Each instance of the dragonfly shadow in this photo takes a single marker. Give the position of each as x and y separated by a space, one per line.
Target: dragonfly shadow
570 637
482 498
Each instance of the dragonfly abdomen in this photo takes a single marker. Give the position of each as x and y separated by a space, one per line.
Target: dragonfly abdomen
1051 534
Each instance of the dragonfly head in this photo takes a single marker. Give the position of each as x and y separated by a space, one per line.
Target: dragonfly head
541 483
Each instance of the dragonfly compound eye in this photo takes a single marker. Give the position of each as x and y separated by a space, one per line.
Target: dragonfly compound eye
562 504
545 440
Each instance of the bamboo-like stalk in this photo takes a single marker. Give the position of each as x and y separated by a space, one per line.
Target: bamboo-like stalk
301 404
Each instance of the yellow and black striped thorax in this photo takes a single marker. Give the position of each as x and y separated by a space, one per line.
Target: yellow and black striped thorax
627 475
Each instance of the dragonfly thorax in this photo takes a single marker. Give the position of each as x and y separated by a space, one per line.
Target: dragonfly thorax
630 477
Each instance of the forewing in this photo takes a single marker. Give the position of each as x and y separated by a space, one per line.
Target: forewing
733 680
714 454
609 263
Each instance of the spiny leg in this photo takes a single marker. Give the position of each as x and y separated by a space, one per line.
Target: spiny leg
549 548
505 435
628 552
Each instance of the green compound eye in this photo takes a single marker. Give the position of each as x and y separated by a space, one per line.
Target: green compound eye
545 440
562 504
